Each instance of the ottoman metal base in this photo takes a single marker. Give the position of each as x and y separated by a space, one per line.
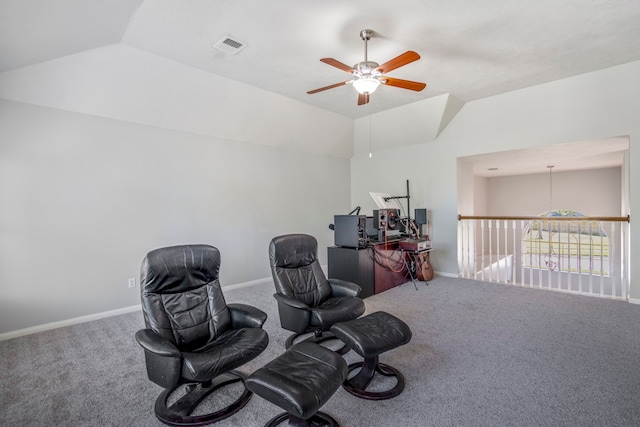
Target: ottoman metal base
357 385
320 419
370 336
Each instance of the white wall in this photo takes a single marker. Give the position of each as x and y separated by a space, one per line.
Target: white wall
595 105
480 198
124 83
594 192
83 199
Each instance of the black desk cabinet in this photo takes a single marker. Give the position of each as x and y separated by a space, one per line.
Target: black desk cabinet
354 265
358 266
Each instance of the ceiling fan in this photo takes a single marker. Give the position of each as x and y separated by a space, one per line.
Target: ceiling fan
368 75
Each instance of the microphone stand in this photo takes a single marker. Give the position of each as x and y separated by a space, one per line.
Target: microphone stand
408 197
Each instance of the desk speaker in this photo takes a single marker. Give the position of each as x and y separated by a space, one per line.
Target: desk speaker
386 219
350 231
421 216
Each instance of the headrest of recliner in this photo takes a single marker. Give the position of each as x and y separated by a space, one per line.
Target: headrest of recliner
177 269
293 250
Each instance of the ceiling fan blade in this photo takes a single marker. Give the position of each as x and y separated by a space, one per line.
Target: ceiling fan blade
311 92
400 60
337 64
363 98
404 84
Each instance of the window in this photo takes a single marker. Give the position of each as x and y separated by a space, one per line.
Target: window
571 246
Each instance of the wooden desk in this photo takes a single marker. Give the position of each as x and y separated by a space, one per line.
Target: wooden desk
375 268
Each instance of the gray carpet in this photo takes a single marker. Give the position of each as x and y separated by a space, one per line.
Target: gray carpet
482 354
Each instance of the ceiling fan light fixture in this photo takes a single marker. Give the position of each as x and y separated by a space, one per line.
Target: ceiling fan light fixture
368 75
366 85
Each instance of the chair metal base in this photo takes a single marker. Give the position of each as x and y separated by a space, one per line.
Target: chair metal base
320 419
179 413
317 338
357 385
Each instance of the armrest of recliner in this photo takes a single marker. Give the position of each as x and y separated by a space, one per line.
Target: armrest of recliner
246 316
291 302
156 344
162 358
294 314
344 288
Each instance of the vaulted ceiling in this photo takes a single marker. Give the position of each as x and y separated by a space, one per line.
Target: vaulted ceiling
469 49
72 54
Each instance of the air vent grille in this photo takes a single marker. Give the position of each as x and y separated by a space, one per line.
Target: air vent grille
229 45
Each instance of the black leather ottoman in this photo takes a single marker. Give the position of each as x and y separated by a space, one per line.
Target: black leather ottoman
300 381
370 336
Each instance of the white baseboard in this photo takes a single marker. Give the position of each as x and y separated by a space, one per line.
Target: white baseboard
634 300
76 320
124 310
68 322
440 273
249 283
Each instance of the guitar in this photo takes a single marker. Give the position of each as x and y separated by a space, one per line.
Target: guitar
424 271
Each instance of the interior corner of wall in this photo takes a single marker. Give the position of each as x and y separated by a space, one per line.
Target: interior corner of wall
451 108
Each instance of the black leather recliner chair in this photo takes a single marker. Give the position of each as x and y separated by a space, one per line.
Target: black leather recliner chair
307 300
192 337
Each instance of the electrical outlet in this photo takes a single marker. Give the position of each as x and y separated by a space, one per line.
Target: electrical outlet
132 283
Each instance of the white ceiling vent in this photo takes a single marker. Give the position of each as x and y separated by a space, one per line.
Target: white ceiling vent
229 45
